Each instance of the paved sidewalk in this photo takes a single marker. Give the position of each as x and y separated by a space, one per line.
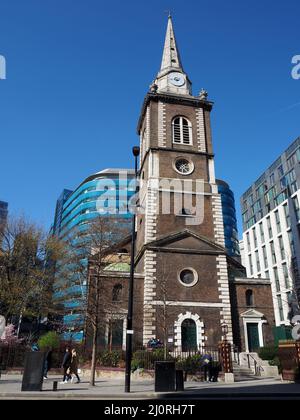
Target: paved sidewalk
10 388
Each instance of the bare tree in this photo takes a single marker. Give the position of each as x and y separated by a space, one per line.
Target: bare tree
91 252
27 255
165 310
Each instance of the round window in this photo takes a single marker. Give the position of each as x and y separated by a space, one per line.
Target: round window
188 277
183 166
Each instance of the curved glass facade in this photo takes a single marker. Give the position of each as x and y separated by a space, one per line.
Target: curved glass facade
106 193
229 218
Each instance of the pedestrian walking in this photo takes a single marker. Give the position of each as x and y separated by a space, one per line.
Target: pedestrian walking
206 366
66 366
48 363
74 366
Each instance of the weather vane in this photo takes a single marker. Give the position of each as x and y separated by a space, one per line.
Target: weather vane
169 13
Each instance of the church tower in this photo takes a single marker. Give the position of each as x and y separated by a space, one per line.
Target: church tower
180 245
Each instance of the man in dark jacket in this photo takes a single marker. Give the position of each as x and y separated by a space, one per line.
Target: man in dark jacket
206 365
66 366
48 362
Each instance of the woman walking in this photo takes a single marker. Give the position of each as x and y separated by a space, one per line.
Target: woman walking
74 366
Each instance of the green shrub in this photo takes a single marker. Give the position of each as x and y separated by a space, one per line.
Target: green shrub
110 358
191 364
276 362
145 359
51 339
268 352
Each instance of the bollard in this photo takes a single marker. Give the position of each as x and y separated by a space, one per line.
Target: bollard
179 380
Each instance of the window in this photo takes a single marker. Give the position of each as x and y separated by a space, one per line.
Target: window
296 207
117 293
276 277
280 308
272 179
251 265
283 183
262 234
281 245
183 166
273 252
291 176
265 257
286 276
291 161
280 198
250 222
277 221
188 277
280 171
257 261
182 131
248 240
292 244
294 187
260 191
249 298
287 215
255 237
269 228
257 206
245 216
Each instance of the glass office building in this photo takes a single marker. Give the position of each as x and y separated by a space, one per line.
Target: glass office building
59 211
271 233
106 193
229 218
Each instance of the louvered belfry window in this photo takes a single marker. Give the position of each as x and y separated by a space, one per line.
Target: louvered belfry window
182 131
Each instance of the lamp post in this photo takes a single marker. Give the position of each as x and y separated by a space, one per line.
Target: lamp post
129 331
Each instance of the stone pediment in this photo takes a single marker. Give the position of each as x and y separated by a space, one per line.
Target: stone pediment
252 313
186 241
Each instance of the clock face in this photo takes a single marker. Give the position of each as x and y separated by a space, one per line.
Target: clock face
177 79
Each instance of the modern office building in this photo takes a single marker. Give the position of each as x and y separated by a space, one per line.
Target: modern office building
271 216
229 219
105 193
59 210
3 211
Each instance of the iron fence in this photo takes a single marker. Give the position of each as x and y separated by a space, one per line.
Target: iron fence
142 357
12 357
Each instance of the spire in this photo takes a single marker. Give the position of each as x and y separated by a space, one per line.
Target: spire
171 58
171 77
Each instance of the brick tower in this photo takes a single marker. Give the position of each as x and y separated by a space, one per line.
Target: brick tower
180 246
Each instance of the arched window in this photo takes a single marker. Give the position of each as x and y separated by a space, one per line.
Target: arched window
249 298
117 293
182 131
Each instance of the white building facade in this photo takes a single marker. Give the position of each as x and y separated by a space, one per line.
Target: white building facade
270 248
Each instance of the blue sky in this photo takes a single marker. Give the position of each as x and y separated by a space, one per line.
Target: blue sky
78 70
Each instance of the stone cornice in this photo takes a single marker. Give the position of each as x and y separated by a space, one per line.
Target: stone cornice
172 99
241 280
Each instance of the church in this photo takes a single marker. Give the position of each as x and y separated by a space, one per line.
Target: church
187 291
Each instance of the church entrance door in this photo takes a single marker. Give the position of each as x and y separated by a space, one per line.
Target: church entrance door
189 335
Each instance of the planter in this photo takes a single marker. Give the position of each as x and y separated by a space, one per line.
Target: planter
289 356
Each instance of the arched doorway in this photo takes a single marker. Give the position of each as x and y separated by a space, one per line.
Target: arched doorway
189 335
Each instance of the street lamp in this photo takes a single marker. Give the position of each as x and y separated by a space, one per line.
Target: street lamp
129 331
